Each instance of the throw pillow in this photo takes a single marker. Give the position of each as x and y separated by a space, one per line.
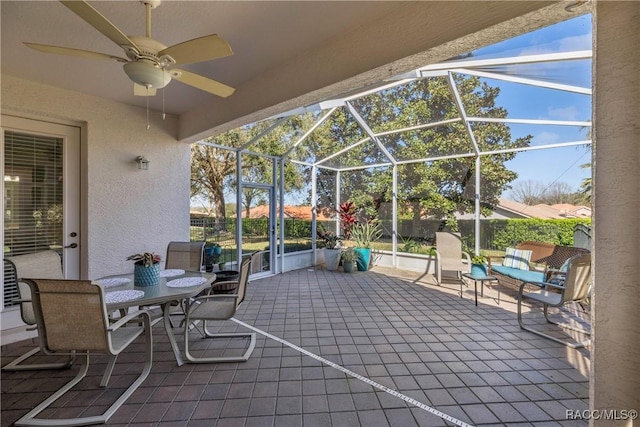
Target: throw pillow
517 258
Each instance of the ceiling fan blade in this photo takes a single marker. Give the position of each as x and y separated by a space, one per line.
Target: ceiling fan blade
198 50
139 90
201 82
73 52
94 18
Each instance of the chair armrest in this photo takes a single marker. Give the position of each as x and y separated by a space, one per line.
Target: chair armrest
127 318
205 298
540 285
225 282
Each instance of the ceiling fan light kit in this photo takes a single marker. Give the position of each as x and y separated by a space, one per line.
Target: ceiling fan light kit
147 74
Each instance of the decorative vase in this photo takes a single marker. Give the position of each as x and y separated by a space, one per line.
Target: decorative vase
145 276
479 270
347 266
332 258
364 258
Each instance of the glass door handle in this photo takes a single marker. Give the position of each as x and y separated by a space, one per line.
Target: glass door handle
72 246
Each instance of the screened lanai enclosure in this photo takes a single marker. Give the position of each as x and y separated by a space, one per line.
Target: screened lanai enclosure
439 148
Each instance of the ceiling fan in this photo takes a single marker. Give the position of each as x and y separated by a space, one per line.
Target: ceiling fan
149 63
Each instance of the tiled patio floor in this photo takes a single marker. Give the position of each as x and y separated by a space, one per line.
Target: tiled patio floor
362 349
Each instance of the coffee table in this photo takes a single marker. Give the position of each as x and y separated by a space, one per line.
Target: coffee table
481 279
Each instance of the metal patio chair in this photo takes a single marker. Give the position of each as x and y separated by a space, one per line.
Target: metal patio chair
185 255
449 255
574 287
45 265
72 319
219 307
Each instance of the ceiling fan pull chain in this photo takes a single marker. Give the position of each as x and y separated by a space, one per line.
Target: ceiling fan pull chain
164 84
148 125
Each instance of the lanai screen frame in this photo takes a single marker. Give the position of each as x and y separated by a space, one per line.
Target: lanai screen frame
474 67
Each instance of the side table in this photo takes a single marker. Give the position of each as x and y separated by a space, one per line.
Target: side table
481 279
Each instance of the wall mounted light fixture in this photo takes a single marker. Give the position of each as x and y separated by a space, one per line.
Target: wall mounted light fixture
142 162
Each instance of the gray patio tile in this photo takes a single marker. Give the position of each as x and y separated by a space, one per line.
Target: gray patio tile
365 401
240 390
265 389
400 417
463 395
313 404
288 405
480 414
337 386
340 402
375 418
231 422
266 421
531 411
439 397
235 408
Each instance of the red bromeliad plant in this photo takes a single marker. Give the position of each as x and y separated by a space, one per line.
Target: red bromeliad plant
347 212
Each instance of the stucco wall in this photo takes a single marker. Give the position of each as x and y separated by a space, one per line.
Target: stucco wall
615 375
126 210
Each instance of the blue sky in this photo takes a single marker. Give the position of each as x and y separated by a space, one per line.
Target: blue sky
561 164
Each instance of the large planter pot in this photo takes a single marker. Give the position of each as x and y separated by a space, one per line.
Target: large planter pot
479 270
145 276
364 258
347 266
332 258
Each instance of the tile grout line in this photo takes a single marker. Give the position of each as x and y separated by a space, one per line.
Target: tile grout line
357 376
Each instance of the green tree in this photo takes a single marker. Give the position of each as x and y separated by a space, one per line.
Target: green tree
585 185
213 169
436 188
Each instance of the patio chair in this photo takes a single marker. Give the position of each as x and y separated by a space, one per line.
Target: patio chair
449 255
47 265
574 287
219 307
84 329
185 255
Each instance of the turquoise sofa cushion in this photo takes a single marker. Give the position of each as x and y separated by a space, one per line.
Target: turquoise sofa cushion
522 275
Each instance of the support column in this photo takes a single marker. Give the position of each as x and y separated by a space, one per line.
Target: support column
615 368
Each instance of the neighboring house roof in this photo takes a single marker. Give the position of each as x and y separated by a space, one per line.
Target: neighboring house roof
295 212
511 209
542 210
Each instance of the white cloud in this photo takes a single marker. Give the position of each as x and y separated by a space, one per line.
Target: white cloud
544 138
566 113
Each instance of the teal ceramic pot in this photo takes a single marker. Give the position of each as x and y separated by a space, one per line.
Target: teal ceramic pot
364 258
146 276
479 270
347 266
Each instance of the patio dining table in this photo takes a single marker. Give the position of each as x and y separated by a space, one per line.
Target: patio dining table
173 286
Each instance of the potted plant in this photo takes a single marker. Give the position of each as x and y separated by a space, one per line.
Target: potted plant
212 253
348 259
332 250
479 265
145 269
363 233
